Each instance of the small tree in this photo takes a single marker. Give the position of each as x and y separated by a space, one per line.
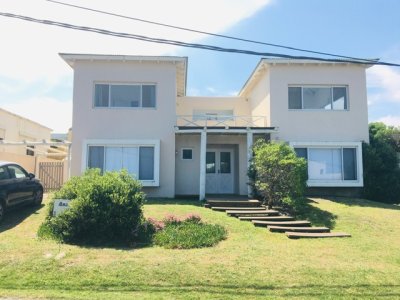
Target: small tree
278 173
381 165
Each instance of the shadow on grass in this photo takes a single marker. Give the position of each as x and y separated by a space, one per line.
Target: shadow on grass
227 290
17 215
173 201
302 209
362 203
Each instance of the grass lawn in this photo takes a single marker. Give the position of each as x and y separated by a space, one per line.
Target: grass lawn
251 263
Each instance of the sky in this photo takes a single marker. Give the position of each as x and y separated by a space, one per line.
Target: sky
36 83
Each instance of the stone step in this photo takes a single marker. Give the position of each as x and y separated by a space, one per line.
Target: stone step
281 223
259 213
298 235
266 218
224 208
235 203
297 229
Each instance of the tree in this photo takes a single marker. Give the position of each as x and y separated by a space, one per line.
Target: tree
381 164
277 172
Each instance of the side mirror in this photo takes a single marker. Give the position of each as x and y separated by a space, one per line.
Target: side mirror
31 176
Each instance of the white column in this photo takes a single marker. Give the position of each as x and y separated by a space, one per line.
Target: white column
203 149
249 156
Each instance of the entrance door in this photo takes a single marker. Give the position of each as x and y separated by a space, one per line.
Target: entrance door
219 171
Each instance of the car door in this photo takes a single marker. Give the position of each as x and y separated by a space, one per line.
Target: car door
22 187
6 184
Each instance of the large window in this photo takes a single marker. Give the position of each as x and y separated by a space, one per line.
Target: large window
138 160
332 166
321 98
124 95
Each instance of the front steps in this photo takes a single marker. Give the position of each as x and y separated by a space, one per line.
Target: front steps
252 210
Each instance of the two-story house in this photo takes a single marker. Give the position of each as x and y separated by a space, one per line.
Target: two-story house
132 112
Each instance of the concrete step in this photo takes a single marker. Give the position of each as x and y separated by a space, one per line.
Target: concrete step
266 218
281 223
297 229
224 208
259 213
235 203
298 235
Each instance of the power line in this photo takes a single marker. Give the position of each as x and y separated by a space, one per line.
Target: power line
210 33
184 44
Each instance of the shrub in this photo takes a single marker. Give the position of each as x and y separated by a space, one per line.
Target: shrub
277 173
105 209
188 233
381 165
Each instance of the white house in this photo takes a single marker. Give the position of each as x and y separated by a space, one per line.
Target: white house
132 112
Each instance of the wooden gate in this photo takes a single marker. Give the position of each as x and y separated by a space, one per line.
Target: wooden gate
51 175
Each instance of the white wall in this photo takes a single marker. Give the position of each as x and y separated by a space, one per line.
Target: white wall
319 125
259 97
127 123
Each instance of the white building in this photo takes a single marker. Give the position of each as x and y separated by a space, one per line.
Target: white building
132 112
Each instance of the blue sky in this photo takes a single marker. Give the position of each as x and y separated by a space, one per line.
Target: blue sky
36 83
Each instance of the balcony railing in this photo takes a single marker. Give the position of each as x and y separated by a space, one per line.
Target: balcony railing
220 121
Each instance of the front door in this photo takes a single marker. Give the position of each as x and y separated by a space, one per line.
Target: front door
219 171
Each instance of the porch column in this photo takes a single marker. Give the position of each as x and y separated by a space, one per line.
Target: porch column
203 149
249 156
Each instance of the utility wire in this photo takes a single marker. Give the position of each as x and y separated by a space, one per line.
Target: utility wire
184 44
209 33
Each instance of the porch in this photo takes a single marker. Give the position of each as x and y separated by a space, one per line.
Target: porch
213 154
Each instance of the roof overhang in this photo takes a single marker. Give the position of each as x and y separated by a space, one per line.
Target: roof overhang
179 61
266 63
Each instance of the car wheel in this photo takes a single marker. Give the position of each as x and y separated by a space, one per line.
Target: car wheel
2 210
37 198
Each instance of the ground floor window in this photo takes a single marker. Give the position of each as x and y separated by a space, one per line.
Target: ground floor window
332 164
138 160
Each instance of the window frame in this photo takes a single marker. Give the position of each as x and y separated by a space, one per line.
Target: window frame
126 143
186 159
331 87
141 84
359 182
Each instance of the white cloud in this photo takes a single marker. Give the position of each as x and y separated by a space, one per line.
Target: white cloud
390 120
46 111
385 84
30 51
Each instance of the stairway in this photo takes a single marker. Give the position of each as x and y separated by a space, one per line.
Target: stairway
273 220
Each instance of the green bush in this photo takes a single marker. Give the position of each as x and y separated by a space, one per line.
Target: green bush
277 173
189 233
381 165
105 209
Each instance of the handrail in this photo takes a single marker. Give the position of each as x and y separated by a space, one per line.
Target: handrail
220 120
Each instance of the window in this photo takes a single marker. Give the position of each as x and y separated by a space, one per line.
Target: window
124 95
330 164
210 162
3 173
16 172
320 98
2 134
30 152
187 154
138 160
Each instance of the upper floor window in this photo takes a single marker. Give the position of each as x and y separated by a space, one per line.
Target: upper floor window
318 97
125 95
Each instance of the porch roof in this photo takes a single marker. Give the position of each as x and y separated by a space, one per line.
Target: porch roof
224 129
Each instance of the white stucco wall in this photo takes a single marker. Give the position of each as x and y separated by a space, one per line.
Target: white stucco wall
319 125
126 123
259 98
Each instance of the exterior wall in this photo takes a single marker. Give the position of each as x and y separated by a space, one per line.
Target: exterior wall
187 173
259 98
186 105
126 123
15 128
319 125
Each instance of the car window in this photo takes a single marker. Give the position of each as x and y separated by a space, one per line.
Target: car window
16 172
3 173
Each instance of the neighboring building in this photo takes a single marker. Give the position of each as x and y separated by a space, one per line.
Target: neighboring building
14 128
132 112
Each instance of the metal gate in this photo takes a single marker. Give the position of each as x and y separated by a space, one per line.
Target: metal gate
51 175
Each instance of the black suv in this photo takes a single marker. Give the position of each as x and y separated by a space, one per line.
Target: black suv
17 187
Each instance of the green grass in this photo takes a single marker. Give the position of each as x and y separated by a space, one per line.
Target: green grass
251 263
